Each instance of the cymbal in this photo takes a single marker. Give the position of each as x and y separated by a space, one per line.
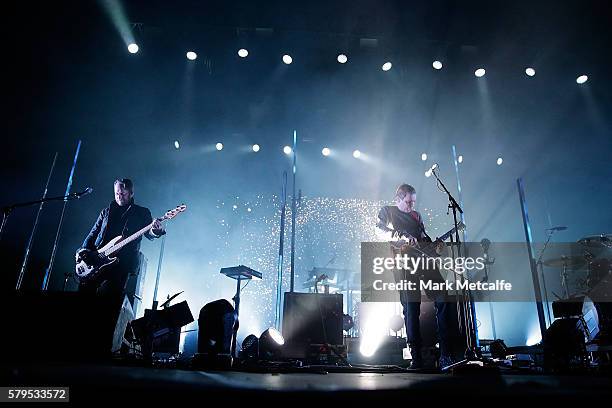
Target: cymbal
597 241
571 262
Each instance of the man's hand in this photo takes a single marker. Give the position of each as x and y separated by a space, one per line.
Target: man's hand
157 228
80 254
439 246
410 240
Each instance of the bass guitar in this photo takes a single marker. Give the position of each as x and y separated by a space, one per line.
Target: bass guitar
90 263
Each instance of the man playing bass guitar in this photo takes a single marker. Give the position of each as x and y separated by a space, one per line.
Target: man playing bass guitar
121 217
403 221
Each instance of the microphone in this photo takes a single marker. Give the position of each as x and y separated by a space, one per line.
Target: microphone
485 243
429 172
88 190
561 228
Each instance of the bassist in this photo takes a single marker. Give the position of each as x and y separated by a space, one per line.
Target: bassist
121 217
403 221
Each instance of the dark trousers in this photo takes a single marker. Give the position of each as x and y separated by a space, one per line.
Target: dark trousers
412 311
411 304
111 282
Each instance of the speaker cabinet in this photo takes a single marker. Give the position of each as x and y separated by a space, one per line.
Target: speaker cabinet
62 326
311 318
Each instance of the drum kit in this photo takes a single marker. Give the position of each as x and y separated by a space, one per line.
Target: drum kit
595 259
595 262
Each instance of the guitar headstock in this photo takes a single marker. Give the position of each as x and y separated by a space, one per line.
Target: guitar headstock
170 214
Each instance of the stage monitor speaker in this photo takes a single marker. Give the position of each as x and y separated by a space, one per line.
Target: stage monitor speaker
312 318
62 326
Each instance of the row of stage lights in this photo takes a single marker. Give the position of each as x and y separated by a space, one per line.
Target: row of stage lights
326 151
343 59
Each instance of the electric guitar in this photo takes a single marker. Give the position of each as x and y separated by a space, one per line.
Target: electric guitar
424 246
90 263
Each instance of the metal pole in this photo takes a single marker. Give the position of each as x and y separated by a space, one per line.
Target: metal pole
31 240
534 271
293 215
159 265
47 277
281 250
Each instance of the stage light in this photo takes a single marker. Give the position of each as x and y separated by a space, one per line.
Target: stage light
133 48
480 72
242 53
255 148
534 338
325 151
367 349
437 64
499 161
219 146
234 206
356 154
250 347
386 66
191 56
428 173
248 209
424 156
176 144
287 59
342 59
530 72
396 323
582 79
460 159
270 343
287 150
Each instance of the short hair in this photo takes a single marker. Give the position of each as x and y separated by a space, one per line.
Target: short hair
125 183
403 190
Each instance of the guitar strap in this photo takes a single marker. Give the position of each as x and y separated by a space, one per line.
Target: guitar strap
124 219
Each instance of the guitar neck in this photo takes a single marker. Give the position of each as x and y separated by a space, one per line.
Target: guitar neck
450 232
124 242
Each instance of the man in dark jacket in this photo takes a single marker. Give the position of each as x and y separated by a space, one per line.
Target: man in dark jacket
122 217
402 220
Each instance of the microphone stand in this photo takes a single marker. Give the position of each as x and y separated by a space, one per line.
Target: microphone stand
540 266
7 210
487 266
472 353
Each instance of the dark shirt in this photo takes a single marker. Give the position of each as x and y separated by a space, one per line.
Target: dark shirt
115 220
402 222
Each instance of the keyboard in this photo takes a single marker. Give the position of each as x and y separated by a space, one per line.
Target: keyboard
241 271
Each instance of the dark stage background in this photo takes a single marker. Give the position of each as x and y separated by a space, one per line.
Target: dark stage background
70 77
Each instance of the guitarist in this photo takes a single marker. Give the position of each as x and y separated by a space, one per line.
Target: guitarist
403 221
121 217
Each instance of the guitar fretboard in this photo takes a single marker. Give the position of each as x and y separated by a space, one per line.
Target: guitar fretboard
129 239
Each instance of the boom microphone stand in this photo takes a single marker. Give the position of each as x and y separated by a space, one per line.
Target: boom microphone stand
472 353
6 212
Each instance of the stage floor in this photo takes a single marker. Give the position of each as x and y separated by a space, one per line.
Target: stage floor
89 382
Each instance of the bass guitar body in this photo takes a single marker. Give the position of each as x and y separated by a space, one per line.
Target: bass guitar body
92 264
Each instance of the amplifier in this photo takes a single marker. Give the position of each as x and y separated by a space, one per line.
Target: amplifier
311 318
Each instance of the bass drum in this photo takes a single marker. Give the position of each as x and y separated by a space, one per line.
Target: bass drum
591 319
598 319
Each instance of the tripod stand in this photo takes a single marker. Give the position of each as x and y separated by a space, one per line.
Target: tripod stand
468 312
